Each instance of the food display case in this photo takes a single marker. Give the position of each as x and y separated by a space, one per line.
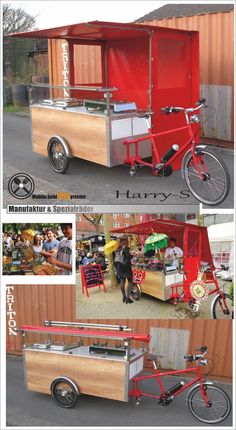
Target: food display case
100 360
20 261
90 134
155 277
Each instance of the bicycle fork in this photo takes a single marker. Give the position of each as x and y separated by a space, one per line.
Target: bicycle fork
203 388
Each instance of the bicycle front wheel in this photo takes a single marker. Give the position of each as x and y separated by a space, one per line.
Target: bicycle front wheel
214 187
222 307
217 408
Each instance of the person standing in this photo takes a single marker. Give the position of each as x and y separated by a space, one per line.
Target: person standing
123 260
64 253
50 246
173 252
37 247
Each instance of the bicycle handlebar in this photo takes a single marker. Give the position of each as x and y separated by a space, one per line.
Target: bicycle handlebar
194 357
175 109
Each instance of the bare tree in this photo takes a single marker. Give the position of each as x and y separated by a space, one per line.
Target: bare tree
135 237
95 220
106 220
16 20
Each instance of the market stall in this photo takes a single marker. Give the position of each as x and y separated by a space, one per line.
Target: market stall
103 78
19 258
100 361
160 278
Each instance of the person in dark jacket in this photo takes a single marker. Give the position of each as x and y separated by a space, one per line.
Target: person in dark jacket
100 259
125 269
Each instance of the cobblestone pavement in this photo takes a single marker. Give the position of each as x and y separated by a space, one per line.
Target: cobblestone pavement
110 305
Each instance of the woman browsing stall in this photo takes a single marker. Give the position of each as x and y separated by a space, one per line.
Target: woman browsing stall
123 261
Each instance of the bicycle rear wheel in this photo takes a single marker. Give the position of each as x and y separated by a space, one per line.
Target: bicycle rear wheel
222 307
214 187
217 409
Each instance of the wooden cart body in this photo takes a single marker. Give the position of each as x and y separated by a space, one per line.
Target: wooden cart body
94 373
193 240
147 65
91 136
158 284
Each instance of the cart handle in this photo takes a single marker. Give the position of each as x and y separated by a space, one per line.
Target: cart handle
76 87
87 333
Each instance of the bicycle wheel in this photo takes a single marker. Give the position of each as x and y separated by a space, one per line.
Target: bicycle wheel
214 187
222 307
218 407
64 392
58 154
135 293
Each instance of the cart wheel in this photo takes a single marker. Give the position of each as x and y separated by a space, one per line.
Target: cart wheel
65 392
58 154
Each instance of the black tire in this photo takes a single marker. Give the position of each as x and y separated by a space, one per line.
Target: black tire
222 308
213 189
135 293
64 392
58 154
209 414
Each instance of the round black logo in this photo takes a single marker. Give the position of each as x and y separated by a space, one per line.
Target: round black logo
21 186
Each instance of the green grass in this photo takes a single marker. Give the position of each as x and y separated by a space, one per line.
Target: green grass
16 108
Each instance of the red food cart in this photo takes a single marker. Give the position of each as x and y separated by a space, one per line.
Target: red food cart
100 75
191 282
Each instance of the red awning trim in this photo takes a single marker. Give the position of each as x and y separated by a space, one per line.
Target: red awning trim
94 30
87 333
156 226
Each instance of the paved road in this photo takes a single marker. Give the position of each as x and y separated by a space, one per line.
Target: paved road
99 184
25 408
109 305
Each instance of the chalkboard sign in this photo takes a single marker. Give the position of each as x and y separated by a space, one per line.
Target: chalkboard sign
91 277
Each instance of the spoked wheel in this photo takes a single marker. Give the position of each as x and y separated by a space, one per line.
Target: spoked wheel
58 154
135 293
217 408
64 392
214 187
222 307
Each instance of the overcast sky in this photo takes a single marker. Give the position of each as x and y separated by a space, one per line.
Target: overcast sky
56 13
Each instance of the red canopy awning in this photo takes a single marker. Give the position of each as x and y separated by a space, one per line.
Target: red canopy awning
94 30
157 226
172 228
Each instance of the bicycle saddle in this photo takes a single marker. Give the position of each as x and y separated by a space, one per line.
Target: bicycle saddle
153 357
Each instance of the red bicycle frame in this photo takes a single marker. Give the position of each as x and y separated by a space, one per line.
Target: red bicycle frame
150 136
175 294
136 392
